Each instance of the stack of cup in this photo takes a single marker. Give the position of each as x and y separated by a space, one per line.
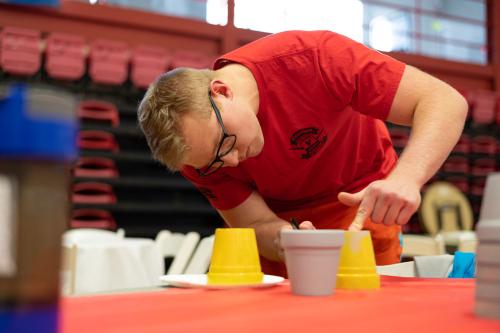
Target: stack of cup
488 252
357 268
235 258
488 269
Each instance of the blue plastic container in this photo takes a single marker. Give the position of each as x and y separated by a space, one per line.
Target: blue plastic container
40 319
38 130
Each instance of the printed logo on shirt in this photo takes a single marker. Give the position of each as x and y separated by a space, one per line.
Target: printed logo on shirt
207 192
308 141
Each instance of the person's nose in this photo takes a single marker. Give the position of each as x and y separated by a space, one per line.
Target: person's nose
231 159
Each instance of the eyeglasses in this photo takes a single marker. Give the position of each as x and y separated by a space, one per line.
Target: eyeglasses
226 144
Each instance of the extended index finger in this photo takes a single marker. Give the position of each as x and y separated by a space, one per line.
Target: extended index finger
364 211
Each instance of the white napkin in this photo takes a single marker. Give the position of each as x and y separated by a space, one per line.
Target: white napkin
434 266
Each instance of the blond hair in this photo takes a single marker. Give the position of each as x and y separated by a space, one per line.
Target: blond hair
172 95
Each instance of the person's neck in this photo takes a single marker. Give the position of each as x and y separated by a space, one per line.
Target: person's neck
243 83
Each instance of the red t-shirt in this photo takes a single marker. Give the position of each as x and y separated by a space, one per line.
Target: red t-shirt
321 97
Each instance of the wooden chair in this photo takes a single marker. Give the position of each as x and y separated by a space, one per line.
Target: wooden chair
467 243
446 210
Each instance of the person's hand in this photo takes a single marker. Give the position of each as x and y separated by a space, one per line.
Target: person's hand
304 225
387 201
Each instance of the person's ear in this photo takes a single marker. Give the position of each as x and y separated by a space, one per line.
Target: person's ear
218 87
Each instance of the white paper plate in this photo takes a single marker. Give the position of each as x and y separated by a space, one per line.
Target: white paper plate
200 281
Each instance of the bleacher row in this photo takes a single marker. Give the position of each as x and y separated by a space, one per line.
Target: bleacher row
109 176
69 57
116 184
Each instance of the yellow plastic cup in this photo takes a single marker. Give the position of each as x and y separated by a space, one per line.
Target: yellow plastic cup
235 258
357 268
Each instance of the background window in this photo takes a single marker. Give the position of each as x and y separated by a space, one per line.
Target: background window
345 17
449 29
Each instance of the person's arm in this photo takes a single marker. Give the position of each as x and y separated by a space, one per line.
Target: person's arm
254 213
437 114
249 209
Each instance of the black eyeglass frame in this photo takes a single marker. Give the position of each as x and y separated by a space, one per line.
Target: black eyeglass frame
208 170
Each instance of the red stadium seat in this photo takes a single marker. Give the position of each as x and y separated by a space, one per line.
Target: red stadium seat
93 193
108 62
192 59
20 51
92 218
484 107
482 167
99 110
484 144
65 57
97 140
477 186
147 64
95 167
456 164
461 182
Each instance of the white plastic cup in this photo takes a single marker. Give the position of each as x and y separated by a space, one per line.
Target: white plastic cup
490 209
312 260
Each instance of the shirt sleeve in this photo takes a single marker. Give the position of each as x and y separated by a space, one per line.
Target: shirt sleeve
358 76
221 189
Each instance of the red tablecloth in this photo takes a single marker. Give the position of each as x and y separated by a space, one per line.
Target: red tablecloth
403 305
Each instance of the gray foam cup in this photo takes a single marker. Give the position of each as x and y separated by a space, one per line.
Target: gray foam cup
312 260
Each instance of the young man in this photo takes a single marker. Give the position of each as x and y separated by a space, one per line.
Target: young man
291 125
